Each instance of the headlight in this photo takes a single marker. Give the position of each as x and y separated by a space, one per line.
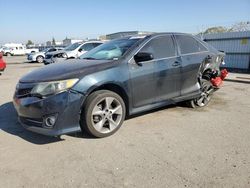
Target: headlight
50 88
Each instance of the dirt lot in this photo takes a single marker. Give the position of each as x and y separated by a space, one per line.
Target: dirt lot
171 147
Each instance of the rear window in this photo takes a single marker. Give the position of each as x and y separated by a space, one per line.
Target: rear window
189 44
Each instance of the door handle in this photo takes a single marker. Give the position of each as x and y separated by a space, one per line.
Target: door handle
176 63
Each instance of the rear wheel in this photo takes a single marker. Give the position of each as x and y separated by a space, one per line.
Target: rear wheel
39 59
205 97
103 113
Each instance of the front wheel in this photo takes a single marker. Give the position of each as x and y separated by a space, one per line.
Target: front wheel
39 59
205 97
103 113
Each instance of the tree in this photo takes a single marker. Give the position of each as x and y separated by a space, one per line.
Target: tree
29 43
218 29
53 41
240 26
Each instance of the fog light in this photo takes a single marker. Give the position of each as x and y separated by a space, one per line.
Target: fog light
50 121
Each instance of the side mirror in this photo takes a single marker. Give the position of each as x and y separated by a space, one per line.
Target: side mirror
80 50
143 56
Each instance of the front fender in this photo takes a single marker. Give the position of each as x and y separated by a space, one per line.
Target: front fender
116 75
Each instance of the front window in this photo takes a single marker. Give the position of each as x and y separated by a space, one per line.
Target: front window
72 47
112 50
160 47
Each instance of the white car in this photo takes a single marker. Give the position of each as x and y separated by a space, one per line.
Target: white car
18 50
72 51
39 56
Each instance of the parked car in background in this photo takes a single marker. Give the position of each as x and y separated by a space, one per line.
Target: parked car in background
39 56
117 79
5 50
18 49
2 63
70 52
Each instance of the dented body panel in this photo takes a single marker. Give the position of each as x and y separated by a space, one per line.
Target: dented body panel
143 86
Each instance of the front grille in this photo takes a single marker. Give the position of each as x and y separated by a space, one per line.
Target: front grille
24 91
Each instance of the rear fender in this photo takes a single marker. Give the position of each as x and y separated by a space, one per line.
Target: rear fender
210 66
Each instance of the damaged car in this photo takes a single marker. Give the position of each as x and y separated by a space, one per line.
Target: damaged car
70 52
117 79
39 56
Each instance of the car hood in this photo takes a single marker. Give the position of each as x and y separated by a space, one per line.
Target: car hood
72 68
55 52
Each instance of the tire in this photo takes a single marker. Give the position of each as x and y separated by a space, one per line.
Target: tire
8 54
205 97
39 59
103 113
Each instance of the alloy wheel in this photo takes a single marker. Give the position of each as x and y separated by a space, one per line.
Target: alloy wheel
206 91
107 115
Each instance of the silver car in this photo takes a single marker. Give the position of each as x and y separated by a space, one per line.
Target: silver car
39 56
72 51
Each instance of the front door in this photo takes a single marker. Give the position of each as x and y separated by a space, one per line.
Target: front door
158 79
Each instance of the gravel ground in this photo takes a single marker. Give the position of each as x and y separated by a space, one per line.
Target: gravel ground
171 147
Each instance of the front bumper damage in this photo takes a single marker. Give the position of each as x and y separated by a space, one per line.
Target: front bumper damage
64 108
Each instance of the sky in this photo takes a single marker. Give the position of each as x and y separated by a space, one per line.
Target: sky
40 20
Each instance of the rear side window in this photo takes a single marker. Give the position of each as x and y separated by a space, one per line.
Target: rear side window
160 47
189 44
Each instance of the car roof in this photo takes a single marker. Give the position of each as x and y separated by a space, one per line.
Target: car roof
153 35
93 41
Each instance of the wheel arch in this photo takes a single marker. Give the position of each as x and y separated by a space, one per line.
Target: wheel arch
116 88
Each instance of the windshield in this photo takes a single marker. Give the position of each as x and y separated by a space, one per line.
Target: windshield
45 50
72 47
112 50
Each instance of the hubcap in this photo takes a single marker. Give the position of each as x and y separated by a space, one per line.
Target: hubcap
107 115
39 59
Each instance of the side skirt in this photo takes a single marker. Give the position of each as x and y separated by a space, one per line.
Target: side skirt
153 106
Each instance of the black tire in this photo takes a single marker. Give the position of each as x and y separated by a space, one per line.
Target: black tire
8 54
98 100
207 90
39 59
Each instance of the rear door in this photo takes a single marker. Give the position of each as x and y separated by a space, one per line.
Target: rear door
192 55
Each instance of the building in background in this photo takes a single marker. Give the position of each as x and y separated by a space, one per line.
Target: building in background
67 41
236 45
58 43
103 37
